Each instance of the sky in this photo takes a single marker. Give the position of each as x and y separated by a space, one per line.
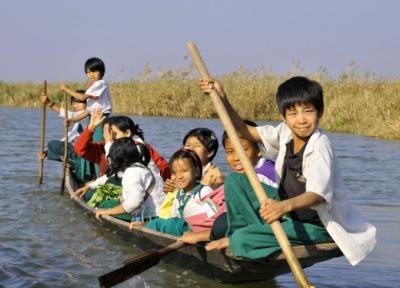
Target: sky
48 39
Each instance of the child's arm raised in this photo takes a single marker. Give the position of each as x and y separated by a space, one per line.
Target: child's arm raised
246 131
78 95
84 145
96 119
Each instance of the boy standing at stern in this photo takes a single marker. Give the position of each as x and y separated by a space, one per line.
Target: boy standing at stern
97 94
310 185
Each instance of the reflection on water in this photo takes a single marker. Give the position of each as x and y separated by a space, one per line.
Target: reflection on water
45 241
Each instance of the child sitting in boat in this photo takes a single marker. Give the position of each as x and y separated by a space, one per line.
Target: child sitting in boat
114 128
140 191
265 172
55 148
204 142
313 208
186 171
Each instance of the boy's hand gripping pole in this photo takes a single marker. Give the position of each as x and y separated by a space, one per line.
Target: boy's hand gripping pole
280 235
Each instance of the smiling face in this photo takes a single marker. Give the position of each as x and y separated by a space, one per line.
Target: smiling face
192 143
183 174
233 159
303 120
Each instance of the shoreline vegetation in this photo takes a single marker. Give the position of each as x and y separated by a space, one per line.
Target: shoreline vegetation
359 104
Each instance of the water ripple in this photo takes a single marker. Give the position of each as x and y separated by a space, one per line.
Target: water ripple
46 241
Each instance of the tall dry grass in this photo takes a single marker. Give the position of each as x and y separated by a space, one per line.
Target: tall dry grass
360 104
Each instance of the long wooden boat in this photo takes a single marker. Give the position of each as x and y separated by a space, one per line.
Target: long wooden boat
220 265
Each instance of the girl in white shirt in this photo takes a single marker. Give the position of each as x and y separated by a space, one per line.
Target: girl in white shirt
139 190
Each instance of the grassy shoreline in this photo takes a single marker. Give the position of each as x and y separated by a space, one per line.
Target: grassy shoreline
362 105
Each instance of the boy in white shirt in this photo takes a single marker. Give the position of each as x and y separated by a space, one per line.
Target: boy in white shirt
97 95
56 147
310 185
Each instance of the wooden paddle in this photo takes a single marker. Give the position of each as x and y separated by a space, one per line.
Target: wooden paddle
280 235
42 134
137 264
65 145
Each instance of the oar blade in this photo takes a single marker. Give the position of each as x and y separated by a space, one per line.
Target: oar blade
134 267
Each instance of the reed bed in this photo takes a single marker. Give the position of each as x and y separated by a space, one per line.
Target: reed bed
359 104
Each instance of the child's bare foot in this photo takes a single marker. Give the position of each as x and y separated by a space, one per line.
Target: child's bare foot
135 224
218 244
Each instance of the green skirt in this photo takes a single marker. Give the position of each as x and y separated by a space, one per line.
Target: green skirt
84 170
249 235
97 136
173 226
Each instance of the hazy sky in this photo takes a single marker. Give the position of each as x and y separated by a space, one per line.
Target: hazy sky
49 39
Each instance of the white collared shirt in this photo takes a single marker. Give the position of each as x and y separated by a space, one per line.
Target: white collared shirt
354 236
136 180
73 133
99 97
195 204
158 184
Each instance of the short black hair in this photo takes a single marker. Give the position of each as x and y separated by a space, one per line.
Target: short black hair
95 64
248 122
299 90
193 159
206 137
124 152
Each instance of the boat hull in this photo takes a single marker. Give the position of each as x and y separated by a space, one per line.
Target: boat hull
219 265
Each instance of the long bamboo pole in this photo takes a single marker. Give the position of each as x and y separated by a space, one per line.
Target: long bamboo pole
280 235
65 145
42 134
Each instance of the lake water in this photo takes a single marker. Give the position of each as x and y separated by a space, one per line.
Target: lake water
46 241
